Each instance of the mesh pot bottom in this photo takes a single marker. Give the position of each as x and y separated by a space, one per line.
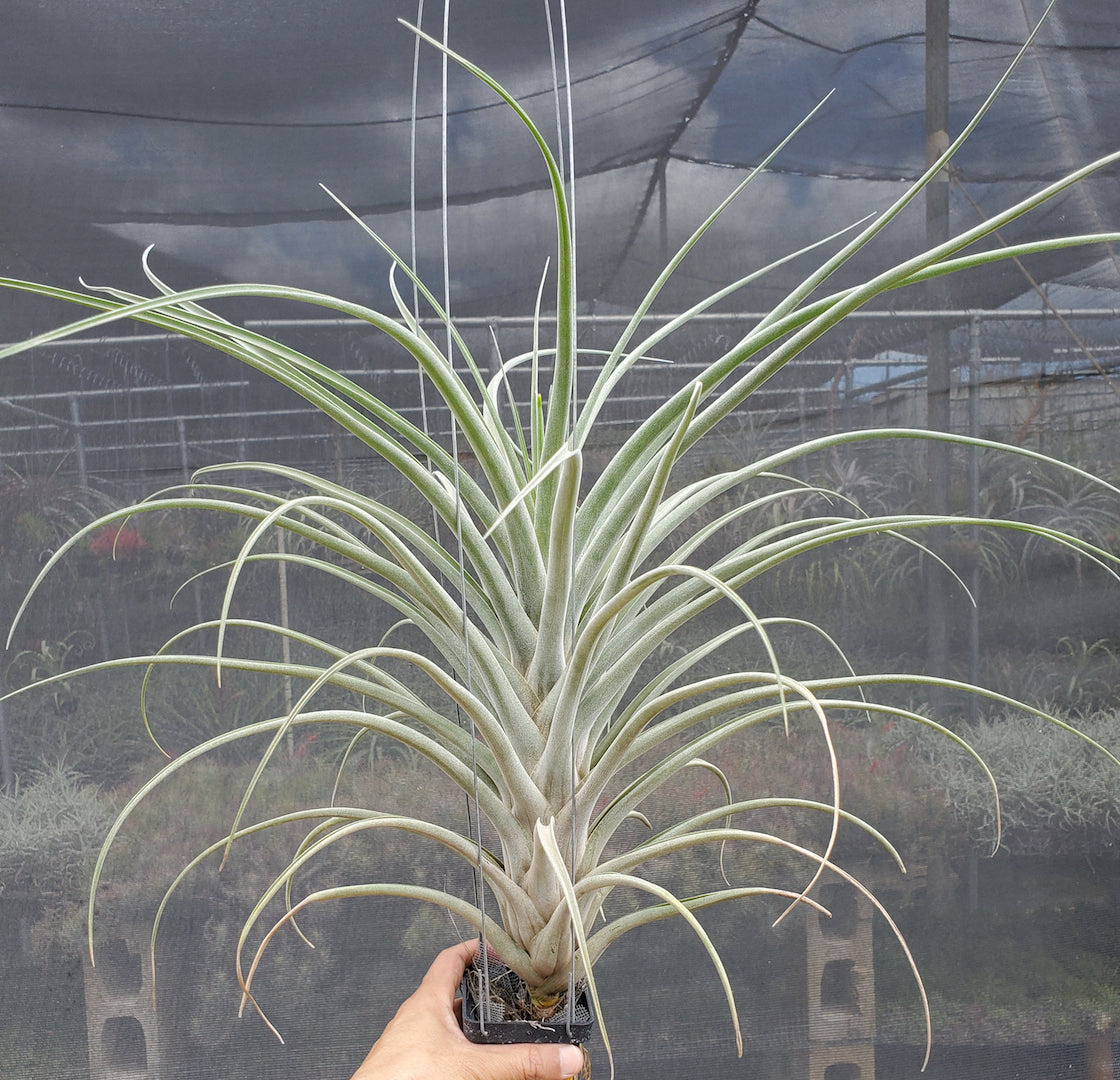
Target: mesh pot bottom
505 1025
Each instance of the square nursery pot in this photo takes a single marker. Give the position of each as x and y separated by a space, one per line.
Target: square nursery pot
504 1026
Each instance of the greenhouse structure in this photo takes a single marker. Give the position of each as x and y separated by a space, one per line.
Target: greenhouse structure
416 496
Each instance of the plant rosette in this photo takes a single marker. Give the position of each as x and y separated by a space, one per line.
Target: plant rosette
545 597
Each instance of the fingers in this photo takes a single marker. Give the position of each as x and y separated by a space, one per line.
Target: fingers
447 969
412 1033
533 1062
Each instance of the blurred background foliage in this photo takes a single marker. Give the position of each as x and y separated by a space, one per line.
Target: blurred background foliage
1048 633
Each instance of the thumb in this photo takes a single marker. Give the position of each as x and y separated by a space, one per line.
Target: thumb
523 1061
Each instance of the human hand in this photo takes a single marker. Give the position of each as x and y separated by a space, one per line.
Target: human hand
424 1040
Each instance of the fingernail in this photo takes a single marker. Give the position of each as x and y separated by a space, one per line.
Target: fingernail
571 1059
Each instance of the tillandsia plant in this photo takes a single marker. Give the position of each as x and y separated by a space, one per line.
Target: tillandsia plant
544 596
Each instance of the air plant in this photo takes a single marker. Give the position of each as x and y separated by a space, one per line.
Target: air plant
542 595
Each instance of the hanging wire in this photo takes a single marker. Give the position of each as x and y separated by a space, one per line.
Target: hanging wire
413 123
570 1009
474 823
474 819
561 158
565 144
562 94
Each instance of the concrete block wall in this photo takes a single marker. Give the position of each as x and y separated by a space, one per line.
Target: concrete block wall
841 987
120 1013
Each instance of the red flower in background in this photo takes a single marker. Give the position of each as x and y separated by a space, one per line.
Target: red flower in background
117 542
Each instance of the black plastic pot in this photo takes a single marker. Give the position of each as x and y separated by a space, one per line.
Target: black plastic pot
500 1029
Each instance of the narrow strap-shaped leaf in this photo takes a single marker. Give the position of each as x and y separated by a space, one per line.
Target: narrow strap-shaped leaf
610 879
519 789
704 818
567 696
465 910
622 863
555 432
450 765
555 624
628 550
622 924
613 369
546 835
355 822
895 277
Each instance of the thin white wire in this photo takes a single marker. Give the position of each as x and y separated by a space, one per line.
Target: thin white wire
412 210
480 884
565 146
555 85
567 158
571 182
570 1010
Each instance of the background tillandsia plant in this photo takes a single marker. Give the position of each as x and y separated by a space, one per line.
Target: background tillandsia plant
544 597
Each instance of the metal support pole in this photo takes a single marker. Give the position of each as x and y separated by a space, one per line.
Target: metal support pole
663 209
938 370
7 775
184 454
79 441
802 432
185 463
974 385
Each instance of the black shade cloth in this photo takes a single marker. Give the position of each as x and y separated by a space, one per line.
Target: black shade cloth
205 128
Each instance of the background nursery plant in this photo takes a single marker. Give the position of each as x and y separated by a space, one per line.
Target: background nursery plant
544 597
